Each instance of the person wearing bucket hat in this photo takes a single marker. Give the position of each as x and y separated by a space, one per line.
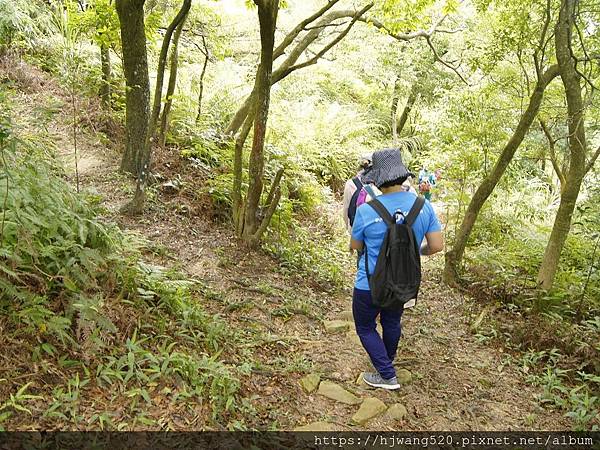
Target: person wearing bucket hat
355 191
388 173
386 166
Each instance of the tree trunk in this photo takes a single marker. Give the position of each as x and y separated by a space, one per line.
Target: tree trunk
577 145
164 121
105 86
267 14
162 63
454 256
394 110
201 84
410 102
238 204
139 199
137 94
241 114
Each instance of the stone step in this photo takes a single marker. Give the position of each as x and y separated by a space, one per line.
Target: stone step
337 326
370 408
397 411
317 426
404 376
310 383
339 394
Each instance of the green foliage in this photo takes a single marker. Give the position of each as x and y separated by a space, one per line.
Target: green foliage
406 15
21 23
204 150
506 251
145 362
328 147
309 246
52 243
67 280
100 21
575 393
64 274
16 403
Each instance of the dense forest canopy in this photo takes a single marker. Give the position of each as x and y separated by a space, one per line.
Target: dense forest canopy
248 117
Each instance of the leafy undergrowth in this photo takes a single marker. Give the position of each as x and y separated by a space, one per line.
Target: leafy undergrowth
553 350
554 336
562 359
92 336
302 236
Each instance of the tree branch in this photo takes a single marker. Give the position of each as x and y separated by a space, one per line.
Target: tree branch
410 36
325 49
325 26
268 215
551 147
289 38
274 186
294 54
426 34
238 210
289 64
586 77
441 60
160 72
543 42
592 161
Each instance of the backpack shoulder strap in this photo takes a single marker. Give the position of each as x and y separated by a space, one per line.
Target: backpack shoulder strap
357 183
415 210
382 211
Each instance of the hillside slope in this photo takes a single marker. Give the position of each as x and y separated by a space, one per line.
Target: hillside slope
456 382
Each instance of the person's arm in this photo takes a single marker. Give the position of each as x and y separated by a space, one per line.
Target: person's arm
434 236
358 229
435 243
356 245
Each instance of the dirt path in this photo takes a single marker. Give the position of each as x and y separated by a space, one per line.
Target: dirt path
456 382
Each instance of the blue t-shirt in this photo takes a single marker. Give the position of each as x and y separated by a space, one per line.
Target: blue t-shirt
370 228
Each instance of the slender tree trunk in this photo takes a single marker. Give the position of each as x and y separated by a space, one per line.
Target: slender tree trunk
105 86
238 203
162 63
560 171
577 145
241 114
137 204
455 255
267 14
164 121
137 94
201 84
394 110
410 102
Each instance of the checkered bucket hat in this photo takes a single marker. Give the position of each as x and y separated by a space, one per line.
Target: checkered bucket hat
387 166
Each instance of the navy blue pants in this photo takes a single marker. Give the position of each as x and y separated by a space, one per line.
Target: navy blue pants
381 351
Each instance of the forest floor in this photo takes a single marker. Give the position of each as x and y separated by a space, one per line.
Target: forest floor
456 382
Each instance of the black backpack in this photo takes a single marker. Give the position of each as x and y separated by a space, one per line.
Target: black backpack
352 207
397 275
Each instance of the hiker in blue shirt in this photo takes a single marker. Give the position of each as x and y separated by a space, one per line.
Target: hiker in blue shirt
427 181
388 173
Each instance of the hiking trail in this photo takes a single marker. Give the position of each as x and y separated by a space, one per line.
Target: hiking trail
309 354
